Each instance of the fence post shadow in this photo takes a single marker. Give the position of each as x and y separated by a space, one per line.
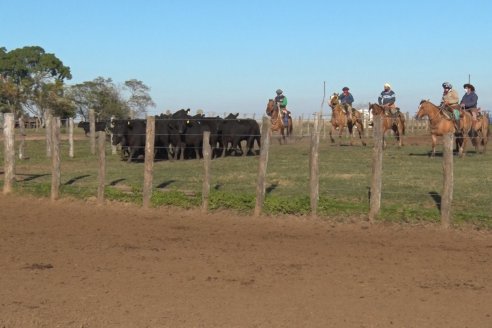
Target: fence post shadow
436 197
271 188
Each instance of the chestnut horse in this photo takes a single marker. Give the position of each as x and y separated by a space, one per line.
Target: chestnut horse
396 123
480 130
273 111
441 124
339 120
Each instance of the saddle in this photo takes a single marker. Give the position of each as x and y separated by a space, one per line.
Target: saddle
451 112
475 112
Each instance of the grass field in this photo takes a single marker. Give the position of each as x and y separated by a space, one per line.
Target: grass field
412 182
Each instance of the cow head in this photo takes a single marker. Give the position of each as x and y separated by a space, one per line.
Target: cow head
179 120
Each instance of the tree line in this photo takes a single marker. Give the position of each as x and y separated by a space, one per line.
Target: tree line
33 83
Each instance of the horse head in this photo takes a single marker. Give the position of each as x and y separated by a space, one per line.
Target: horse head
376 109
271 107
334 100
423 109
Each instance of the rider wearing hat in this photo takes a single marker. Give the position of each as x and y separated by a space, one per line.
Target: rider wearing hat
450 101
281 101
387 98
469 100
346 99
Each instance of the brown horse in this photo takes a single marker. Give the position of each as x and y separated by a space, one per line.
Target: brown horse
273 111
339 120
441 124
480 131
394 122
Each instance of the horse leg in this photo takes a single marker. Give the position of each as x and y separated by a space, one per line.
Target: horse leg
434 141
350 129
463 146
359 129
340 135
398 136
331 137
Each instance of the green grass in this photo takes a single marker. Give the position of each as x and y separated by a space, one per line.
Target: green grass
412 181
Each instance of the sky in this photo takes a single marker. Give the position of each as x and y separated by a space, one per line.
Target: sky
231 56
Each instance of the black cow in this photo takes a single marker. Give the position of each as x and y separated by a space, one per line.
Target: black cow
163 138
100 126
235 130
177 129
214 125
131 135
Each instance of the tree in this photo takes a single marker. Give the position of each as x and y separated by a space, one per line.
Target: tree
139 99
29 75
101 95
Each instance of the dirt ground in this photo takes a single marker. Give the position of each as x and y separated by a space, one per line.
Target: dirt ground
77 264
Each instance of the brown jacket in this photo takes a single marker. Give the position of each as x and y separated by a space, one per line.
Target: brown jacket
451 98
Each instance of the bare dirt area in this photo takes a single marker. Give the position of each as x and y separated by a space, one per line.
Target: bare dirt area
76 264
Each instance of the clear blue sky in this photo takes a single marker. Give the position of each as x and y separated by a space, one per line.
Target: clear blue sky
231 56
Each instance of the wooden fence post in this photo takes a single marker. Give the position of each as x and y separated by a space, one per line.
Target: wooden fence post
377 169
70 137
22 145
113 147
314 166
55 158
9 152
262 166
207 156
448 177
101 138
301 126
49 131
149 161
92 131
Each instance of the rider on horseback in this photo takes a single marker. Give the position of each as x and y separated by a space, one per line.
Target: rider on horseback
281 102
280 99
387 99
469 100
449 103
346 99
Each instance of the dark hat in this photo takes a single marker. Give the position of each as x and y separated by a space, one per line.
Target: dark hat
345 89
468 85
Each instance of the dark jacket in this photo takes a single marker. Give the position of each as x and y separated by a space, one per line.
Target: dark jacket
387 98
346 99
469 100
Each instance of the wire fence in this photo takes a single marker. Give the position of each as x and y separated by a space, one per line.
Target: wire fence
412 182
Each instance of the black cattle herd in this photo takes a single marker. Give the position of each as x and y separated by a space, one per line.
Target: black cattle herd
180 135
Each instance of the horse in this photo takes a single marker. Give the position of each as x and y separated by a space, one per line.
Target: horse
340 120
480 131
273 111
464 131
396 123
441 124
